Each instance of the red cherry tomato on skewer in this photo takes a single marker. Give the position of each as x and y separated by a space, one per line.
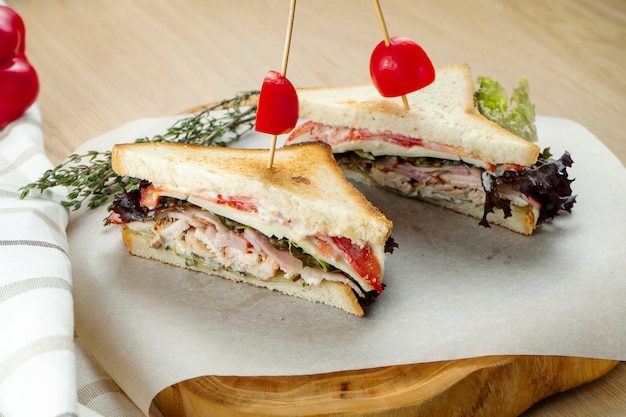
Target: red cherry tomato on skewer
277 111
400 68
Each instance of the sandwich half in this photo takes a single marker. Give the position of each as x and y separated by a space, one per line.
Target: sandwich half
299 228
441 150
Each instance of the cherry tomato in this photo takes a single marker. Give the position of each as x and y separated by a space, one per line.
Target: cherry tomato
277 111
12 34
400 68
19 84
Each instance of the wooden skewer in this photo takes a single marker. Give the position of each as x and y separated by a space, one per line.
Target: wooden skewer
405 103
383 26
292 12
283 71
381 19
270 162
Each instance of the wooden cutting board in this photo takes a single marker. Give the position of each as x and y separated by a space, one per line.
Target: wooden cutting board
498 386
493 386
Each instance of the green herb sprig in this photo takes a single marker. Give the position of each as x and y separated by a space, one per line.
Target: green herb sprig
90 178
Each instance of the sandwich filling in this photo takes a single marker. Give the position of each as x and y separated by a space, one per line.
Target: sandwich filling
344 139
171 222
439 173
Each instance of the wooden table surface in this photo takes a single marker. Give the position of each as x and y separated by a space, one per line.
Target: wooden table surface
103 63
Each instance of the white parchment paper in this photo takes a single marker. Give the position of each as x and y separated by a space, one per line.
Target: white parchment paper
454 290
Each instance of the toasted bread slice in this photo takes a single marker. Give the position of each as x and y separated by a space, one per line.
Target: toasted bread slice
305 185
441 113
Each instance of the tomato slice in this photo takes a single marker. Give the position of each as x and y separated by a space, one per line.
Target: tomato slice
150 196
363 261
242 203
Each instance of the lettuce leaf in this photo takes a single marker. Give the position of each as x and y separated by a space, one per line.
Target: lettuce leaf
517 115
547 182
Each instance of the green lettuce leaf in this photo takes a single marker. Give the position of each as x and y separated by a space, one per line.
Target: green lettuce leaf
517 115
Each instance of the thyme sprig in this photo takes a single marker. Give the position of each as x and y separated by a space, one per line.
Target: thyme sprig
90 178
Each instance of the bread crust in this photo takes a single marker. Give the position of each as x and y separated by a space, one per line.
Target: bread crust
441 113
331 293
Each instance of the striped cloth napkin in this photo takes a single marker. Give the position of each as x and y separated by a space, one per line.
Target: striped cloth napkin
43 369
